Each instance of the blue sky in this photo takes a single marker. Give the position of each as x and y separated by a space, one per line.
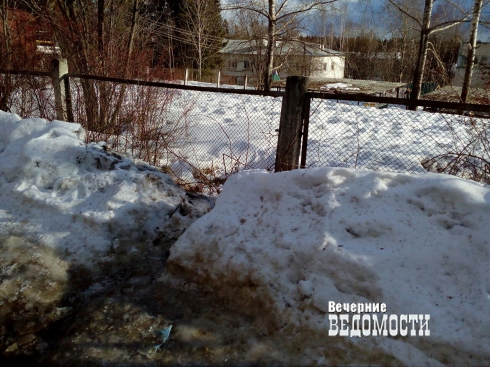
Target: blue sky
370 14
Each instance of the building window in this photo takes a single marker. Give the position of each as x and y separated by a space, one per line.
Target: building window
333 66
233 64
325 66
246 64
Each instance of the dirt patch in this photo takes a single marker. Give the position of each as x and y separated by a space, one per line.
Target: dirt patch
114 315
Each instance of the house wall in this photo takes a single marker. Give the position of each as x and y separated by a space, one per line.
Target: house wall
328 67
481 68
239 65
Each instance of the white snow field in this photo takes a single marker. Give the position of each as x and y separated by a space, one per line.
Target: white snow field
282 246
230 129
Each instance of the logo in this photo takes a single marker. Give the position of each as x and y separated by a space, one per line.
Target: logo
368 321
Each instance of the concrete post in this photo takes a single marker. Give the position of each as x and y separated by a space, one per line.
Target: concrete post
59 68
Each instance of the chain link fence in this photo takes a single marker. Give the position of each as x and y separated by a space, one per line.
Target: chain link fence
27 95
198 136
388 137
225 133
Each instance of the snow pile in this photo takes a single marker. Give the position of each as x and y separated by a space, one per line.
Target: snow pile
281 246
81 199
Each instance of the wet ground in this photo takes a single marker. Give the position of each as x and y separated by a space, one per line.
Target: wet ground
55 314
114 316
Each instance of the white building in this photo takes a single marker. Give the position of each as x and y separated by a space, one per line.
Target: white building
247 57
481 68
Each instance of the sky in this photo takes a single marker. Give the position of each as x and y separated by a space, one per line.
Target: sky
279 246
371 14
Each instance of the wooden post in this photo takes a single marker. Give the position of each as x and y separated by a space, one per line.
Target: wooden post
219 77
245 82
289 140
59 68
186 76
306 124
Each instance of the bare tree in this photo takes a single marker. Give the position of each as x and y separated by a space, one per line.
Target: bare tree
279 15
470 58
200 18
426 30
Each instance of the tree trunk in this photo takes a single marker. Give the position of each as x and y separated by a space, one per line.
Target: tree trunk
418 75
132 33
271 41
100 29
470 59
5 62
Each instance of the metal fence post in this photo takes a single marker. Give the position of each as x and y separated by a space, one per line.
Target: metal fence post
186 76
59 68
69 104
306 124
289 140
219 79
245 82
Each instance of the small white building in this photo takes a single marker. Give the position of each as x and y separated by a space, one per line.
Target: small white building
481 68
247 57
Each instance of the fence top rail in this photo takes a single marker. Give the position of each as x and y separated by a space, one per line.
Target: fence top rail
25 72
401 101
176 86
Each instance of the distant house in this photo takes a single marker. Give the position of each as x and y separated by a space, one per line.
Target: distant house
247 57
32 43
481 68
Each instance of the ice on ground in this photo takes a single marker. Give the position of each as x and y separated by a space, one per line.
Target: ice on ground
281 246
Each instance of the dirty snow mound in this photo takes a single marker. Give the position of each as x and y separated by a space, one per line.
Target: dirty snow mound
282 246
81 199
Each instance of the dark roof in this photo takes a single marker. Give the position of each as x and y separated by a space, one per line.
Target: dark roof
453 94
292 47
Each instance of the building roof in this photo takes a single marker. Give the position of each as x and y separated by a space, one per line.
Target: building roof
453 94
482 48
290 47
356 86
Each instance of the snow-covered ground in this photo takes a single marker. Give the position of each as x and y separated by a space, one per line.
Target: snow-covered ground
230 129
279 246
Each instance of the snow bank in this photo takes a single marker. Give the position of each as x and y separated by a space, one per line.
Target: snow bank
81 199
281 246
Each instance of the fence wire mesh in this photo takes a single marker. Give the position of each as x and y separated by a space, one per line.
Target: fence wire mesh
201 137
27 95
198 137
385 137
225 133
